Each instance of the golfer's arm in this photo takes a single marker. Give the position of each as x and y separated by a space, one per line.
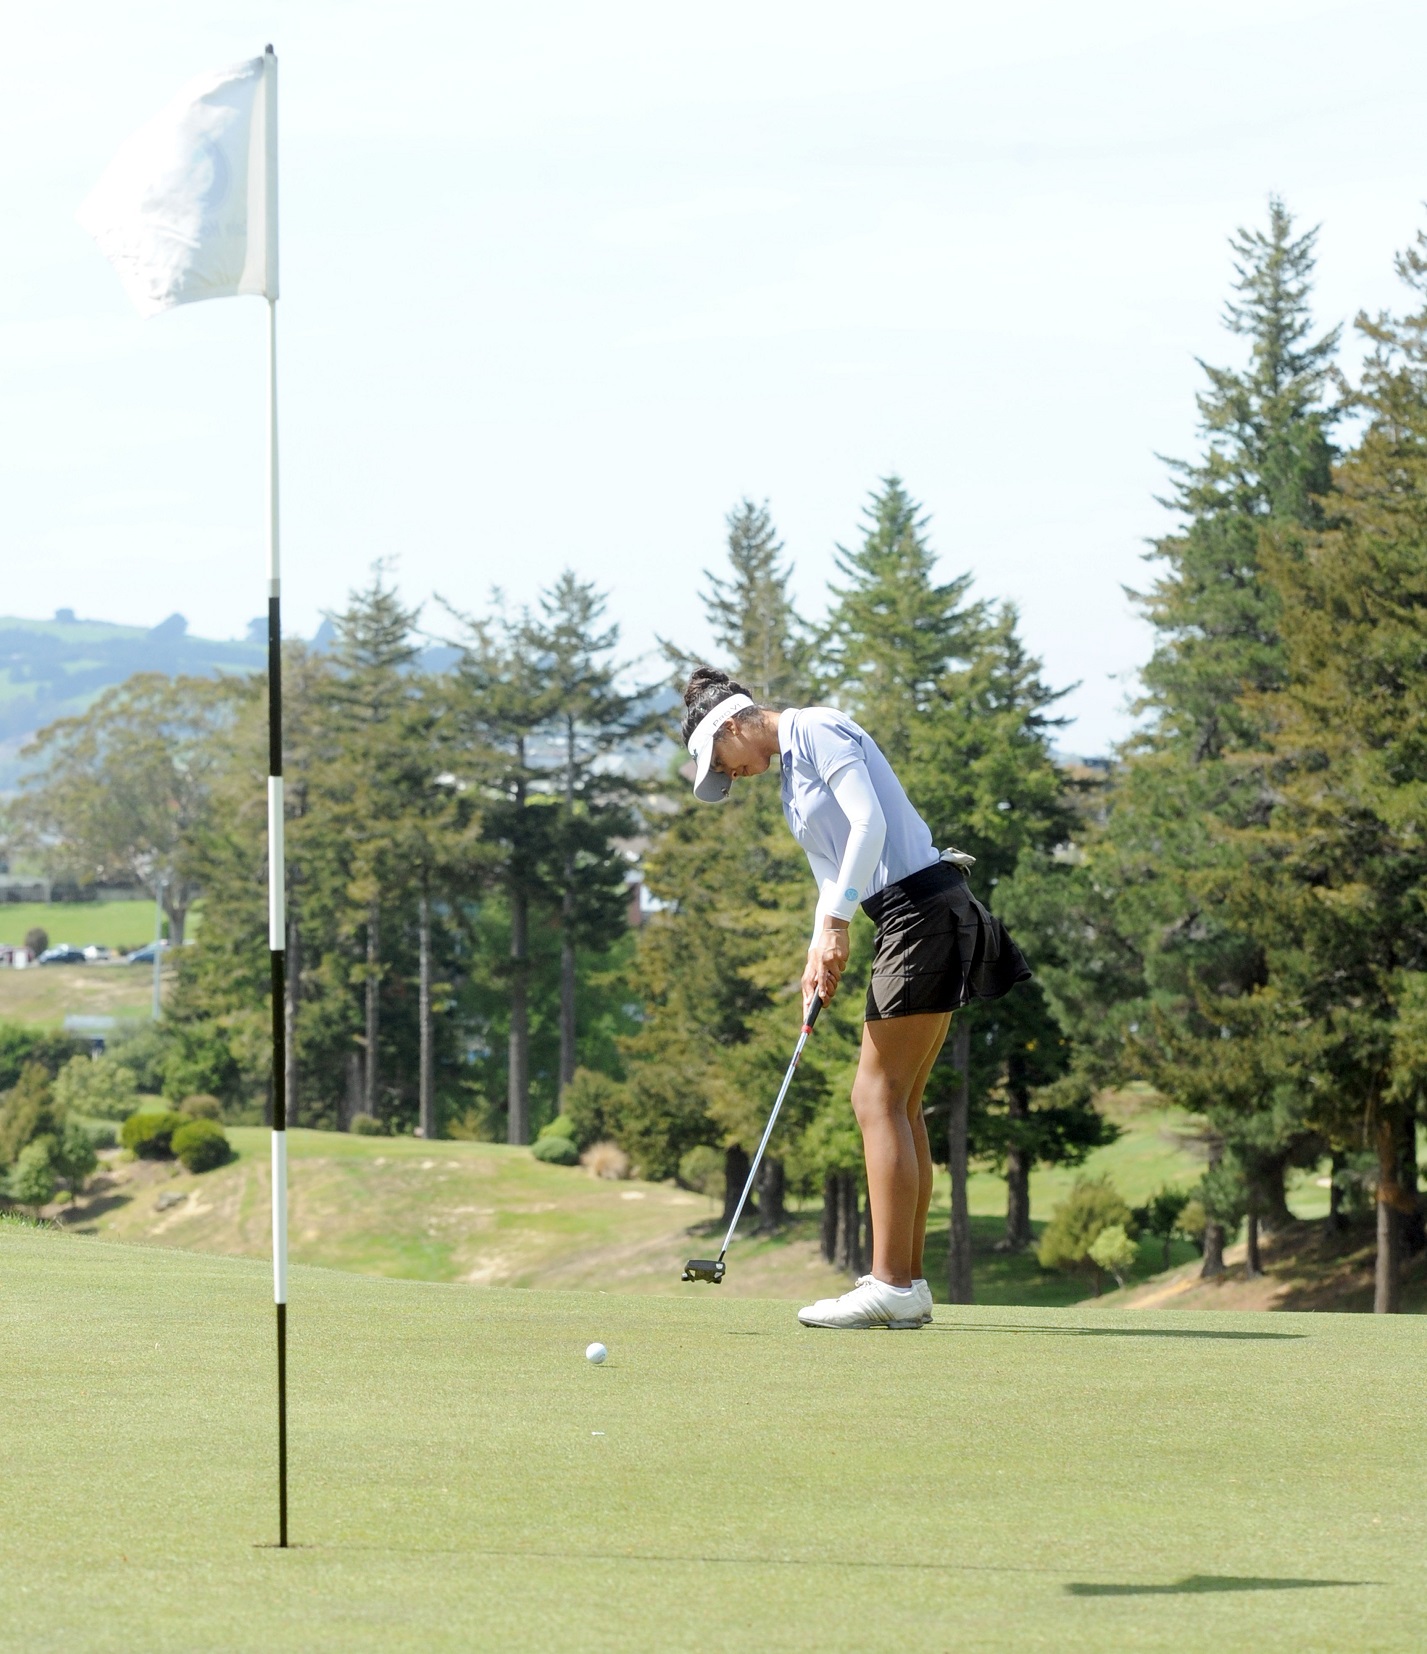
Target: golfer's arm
867 833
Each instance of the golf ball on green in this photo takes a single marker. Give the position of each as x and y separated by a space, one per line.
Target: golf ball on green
596 1353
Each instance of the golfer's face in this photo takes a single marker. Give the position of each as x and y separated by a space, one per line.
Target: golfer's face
735 754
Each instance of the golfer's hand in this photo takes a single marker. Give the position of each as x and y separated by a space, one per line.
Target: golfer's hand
827 960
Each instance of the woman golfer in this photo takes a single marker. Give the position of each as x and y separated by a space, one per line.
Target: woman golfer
936 948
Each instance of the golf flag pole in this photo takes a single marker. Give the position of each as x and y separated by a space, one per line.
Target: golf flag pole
187 210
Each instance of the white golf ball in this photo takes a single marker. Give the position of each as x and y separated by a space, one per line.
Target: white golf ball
596 1353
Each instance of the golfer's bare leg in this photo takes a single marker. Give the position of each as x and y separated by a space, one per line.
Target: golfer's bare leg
894 1052
924 1153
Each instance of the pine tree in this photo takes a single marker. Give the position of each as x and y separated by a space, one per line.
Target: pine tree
1148 960
591 719
761 640
893 632
502 700
374 718
1341 892
1267 460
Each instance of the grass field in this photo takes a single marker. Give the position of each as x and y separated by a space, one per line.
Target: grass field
462 1478
45 994
490 1215
125 925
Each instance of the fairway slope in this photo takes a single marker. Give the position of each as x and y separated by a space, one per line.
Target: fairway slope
462 1478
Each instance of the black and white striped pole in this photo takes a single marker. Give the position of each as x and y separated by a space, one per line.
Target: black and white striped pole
277 892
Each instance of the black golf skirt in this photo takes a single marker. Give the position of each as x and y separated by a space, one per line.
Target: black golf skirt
936 948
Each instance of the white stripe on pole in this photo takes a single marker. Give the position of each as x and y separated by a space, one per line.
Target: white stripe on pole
277 849
279 1217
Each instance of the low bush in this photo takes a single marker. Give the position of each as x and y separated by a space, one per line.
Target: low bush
702 1169
606 1160
1092 1206
366 1125
591 1102
200 1106
102 1087
560 1126
201 1145
33 1183
555 1151
103 1134
1113 1250
150 1134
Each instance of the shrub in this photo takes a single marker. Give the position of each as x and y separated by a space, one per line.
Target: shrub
201 1145
560 1126
103 1134
555 1151
22 1046
1112 1249
199 1058
74 1156
702 1169
143 1049
606 1160
99 1086
149 1134
1092 1206
1191 1222
591 1103
27 1111
37 939
200 1106
366 1125
32 1183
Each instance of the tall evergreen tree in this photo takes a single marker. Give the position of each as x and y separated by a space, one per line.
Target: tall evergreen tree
761 640
375 716
502 700
1146 962
591 719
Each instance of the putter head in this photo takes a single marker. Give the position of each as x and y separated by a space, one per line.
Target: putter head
703 1269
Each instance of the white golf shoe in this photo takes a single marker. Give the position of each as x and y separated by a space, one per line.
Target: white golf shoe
924 1292
871 1303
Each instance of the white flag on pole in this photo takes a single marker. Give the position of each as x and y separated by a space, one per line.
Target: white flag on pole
187 209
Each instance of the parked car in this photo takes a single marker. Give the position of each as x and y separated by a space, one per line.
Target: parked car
96 952
146 954
61 954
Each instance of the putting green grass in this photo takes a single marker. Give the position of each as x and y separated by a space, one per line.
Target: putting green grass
109 924
462 1478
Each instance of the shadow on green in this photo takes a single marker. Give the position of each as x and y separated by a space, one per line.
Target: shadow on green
1196 1584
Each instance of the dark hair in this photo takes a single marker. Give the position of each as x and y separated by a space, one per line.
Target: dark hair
707 686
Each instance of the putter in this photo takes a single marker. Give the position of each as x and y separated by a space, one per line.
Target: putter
711 1269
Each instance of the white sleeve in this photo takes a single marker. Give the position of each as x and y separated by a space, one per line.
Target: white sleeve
825 872
852 788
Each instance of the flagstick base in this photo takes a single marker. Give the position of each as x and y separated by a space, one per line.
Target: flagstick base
282 1426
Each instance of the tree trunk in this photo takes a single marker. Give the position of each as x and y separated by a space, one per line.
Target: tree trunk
177 913
1213 1250
1414 1233
1337 1221
352 1101
959 1287
846 1250
518 1064
567 923
289 1014
735 1175
828 1234
427 1077
518 1087
373 1007
772 1189
1018 1163
1387 1274
1253 1263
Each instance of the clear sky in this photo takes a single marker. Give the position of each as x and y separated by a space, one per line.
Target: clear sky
561 282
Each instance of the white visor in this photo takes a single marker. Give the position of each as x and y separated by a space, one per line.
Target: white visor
709 786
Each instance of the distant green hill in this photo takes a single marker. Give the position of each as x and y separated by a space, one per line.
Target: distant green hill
53 668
